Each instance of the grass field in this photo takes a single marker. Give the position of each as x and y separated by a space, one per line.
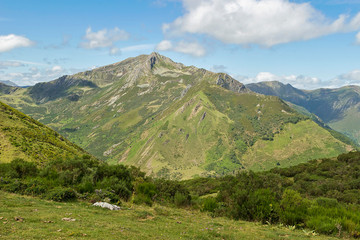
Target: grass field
40 219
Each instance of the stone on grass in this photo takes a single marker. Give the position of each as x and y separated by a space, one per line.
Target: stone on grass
106 205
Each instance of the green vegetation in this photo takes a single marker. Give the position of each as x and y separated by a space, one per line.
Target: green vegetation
40 219
320 196
173 121
24 137
67 180
338 108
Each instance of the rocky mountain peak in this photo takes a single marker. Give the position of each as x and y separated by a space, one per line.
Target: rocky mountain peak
226 81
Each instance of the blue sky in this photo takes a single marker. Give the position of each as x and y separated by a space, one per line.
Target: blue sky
308 44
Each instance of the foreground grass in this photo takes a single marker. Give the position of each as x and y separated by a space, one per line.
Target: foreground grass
43 220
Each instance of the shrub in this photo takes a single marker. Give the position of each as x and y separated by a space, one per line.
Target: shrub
145 193
61 194
322 224
327 202
86 185
263 206
35 187
22 169
181 199
293 208
209 204
14 186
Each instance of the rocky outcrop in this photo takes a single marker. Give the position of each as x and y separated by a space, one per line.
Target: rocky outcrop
106 205
229 83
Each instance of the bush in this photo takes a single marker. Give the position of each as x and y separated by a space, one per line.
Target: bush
14 186
322 224
181 199
61 194
22 169
293 208
209 204
35 187
263 206
145 193
327 202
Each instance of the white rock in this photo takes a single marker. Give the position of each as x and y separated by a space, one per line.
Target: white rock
106 205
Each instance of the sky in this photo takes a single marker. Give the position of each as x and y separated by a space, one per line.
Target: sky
309 44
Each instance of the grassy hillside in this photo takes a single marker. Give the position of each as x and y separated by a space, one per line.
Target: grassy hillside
297 143
321 196
212 131
172 120
26 138
338 108
43 220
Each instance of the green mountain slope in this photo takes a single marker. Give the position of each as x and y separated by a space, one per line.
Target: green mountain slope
338 108
171 120
26 138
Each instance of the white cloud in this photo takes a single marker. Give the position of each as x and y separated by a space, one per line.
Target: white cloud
12 41
218 68
298 81
138 47
191 48
7 64
164 45
56 68
104 39
35 75
358 38
115 51
351 78
262 22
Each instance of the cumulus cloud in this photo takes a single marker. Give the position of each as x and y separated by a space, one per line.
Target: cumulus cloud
298 81
12 41
261 22
56 68
114 51
34 75
104 39
351 78
7 64
218 68
164 45
138 47
191 48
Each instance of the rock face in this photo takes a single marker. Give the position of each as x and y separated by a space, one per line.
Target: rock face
106 205
227 82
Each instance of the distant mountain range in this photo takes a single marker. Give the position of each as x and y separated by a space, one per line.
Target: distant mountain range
175 121
9 83
338 108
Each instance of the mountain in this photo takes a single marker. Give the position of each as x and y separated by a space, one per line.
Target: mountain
26 138
338 108
9 83
175 121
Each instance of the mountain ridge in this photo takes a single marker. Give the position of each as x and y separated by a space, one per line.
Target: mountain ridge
174 121
26 138
339 108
